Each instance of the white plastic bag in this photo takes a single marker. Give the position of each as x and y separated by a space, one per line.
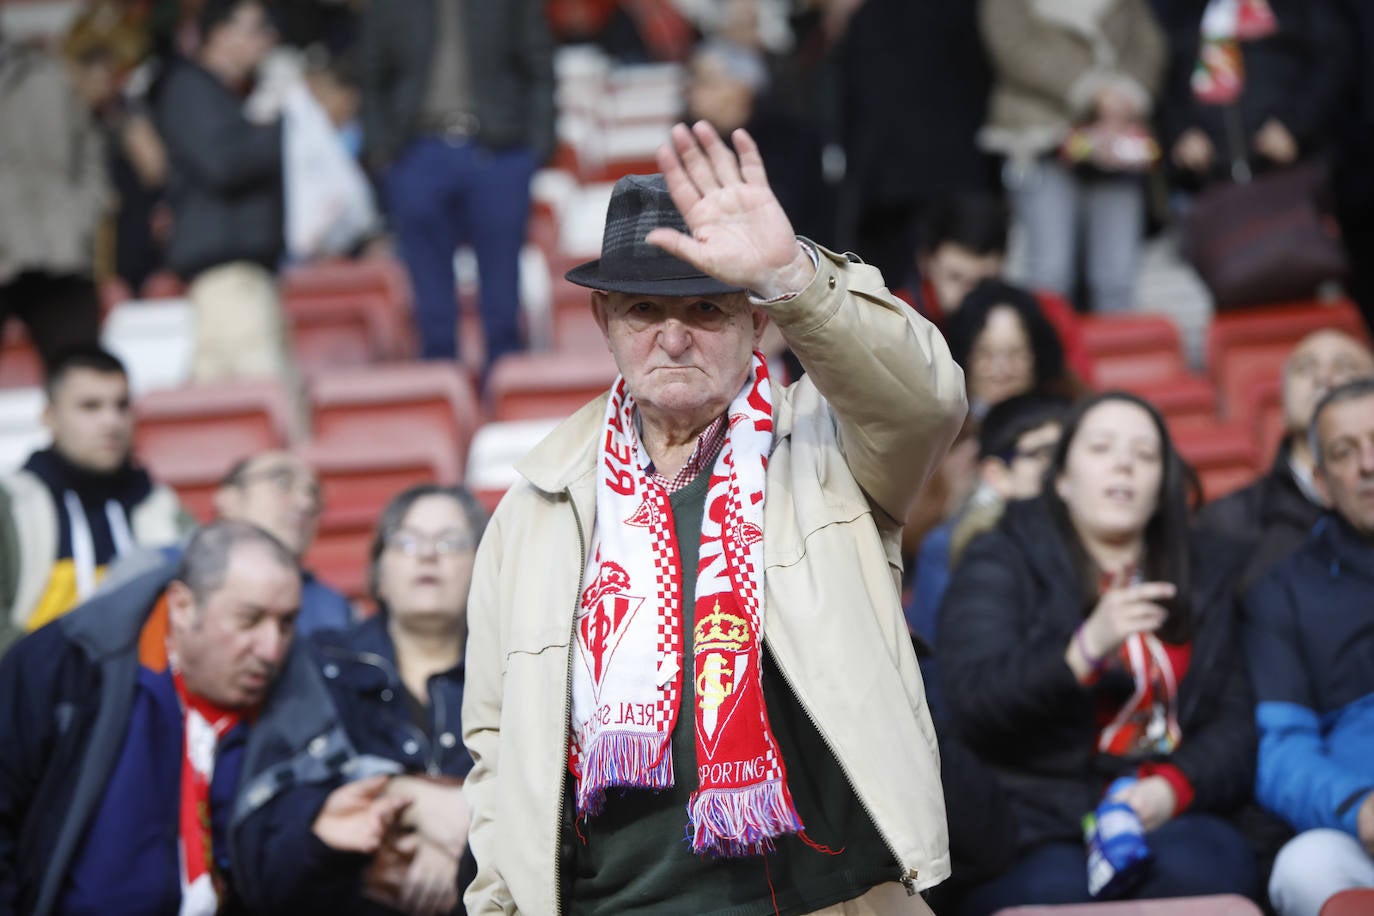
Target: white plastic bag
329 204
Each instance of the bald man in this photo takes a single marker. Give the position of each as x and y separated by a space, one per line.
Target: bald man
1278 511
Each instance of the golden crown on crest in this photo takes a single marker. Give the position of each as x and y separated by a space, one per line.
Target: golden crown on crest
720 632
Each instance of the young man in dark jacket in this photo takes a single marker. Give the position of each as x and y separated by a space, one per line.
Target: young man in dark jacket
1310 639
225 191
181 678
1276 513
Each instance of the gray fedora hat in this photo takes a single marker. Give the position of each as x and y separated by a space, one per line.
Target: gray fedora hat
628 264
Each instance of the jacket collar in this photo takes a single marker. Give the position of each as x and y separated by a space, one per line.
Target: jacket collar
1282 497
112 622
1343 546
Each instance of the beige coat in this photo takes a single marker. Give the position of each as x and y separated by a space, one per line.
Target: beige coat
1051 57
53 185
854 441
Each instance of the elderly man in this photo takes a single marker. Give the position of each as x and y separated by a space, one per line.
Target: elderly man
665 536
1311 653
1279 510
131 722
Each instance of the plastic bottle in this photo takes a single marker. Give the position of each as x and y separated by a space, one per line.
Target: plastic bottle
1118 854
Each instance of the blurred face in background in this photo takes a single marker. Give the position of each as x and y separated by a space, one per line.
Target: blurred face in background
425 567
716 95
953 271
91 420
1113 472
1321 361
1021 475
1345 473
243 41
1001 363
280 494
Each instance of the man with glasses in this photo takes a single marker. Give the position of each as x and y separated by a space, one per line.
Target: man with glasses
1278 511
278 492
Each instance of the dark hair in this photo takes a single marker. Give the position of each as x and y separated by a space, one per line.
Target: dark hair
215 13
1350 391
89 357
1008 421
205 562
399 507
963 328
976 221
1166 533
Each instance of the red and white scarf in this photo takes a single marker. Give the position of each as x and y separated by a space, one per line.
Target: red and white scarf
627 680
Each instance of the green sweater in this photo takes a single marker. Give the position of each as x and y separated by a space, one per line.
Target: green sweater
634 857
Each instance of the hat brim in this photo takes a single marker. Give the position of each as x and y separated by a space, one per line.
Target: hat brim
590 275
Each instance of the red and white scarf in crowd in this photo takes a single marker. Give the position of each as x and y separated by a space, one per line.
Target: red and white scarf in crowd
627 679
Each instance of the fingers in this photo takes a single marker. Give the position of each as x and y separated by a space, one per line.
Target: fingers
723 161
750 159
694 160
684 193
675 243
362 790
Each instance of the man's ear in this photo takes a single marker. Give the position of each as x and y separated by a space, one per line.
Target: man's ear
760 319
601 311
181 606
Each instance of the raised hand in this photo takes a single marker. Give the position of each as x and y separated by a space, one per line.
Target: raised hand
739 232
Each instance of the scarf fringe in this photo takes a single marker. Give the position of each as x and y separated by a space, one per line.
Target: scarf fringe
734 823
623 761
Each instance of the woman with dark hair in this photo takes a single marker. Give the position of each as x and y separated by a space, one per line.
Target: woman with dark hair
1092 636
1005 344
397 681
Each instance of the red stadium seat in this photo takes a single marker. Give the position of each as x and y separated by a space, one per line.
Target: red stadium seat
195 478
357 480
339 555
1130 349
527 386
1184 400
1220 905
1260 407
330 330
384 276
223 422
20 365
401 402
1225 457
1245 347
1358 902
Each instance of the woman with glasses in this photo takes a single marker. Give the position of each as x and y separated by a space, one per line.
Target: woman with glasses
397 680
1093 635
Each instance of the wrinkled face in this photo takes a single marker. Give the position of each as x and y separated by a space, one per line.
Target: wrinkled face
1001 364
280 494
90 419
1022 475
1345 475
1113 472
232 646
426 566
683 358
716 96
1321 361
953 272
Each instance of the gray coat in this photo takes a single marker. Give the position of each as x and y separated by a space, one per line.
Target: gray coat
509 51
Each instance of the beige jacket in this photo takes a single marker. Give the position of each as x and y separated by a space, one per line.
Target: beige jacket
53 188
854 441
1051 57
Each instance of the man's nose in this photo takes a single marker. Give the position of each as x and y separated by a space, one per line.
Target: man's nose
674 337
271 643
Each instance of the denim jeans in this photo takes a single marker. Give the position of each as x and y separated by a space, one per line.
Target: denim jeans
1060 210
441 194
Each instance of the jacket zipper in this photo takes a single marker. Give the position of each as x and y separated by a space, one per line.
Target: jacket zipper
908 875
567 711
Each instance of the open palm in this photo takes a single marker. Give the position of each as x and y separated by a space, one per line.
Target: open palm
740 234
